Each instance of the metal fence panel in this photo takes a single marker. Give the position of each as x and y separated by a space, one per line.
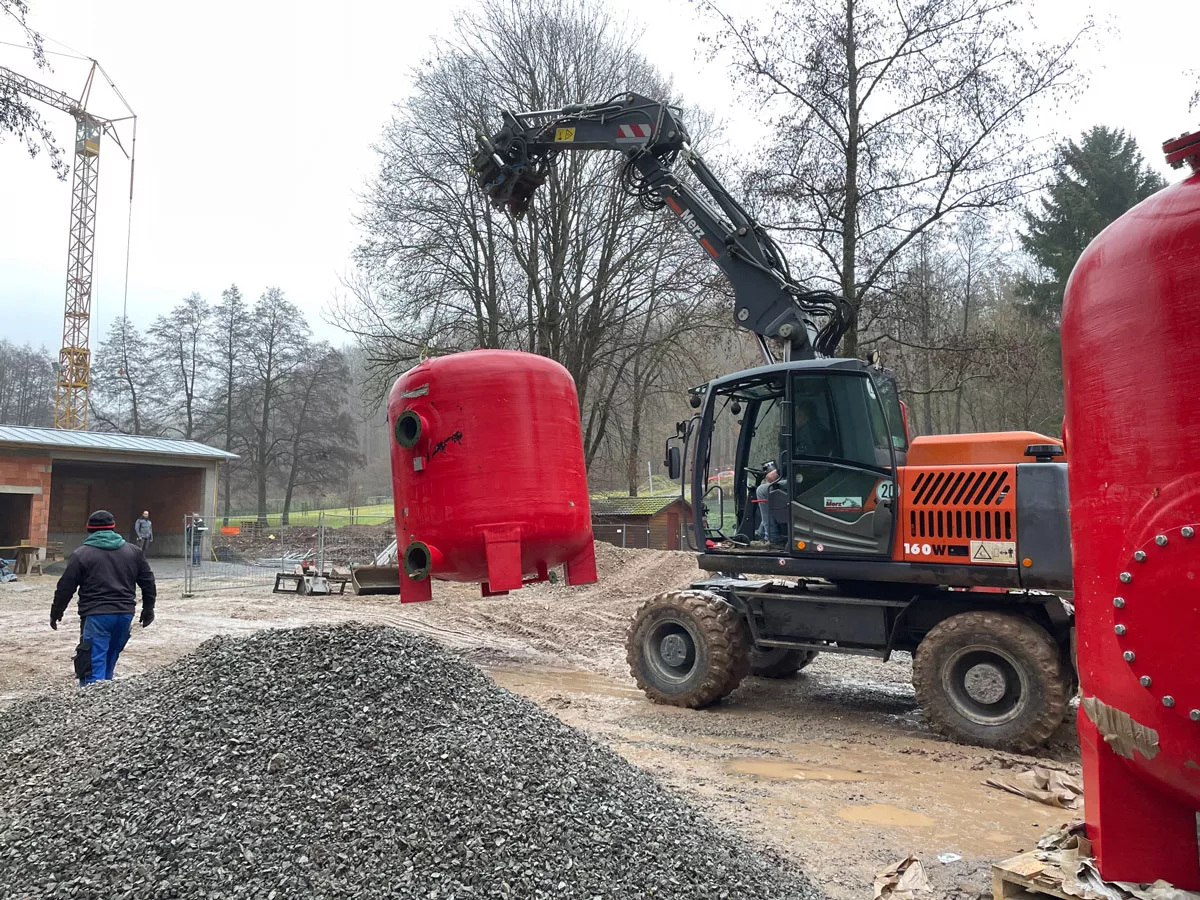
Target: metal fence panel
242 555
352 540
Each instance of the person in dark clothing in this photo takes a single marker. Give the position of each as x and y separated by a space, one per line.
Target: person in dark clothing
143 530
105 570
809 436
194 536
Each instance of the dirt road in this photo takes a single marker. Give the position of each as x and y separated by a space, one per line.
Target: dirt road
834 769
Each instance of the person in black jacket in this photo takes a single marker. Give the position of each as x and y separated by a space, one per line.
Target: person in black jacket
105 569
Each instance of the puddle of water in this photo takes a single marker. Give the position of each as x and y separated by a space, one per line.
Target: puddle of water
885 814
787 771
570 682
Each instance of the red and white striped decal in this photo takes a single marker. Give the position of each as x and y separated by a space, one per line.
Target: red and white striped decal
634 132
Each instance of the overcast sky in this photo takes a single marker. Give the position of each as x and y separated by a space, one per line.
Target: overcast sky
255 120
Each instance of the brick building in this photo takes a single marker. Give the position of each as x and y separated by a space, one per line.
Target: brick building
655 522
51 480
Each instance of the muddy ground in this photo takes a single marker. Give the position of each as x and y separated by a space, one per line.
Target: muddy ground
834 768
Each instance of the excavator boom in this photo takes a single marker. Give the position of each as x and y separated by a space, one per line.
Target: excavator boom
512 164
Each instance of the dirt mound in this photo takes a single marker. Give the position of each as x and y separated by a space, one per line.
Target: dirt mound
342 762
632 571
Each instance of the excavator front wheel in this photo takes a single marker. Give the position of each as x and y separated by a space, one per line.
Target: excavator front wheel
687 648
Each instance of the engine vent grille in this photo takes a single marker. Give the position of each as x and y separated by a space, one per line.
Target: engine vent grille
962 504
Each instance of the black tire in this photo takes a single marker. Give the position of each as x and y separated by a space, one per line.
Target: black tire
968 658
779 662
687 648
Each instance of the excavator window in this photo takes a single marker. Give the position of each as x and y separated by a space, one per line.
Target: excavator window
840 471
889 397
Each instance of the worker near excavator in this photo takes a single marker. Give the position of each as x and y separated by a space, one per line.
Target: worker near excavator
809 436
768 529
105 570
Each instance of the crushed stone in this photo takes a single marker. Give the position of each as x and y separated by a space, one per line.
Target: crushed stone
347 761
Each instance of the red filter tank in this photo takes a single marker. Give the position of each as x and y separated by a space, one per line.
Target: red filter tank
1131 361
488 473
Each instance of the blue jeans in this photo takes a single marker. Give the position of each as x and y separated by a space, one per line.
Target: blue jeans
109 634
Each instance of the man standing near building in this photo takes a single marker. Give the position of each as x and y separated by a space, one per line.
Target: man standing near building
193 534
143 530
105 570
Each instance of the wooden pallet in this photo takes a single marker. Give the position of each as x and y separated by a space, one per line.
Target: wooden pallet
1025 877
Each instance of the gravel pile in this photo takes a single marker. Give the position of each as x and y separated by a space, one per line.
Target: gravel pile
340 762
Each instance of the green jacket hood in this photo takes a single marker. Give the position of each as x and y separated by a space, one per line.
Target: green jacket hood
105 540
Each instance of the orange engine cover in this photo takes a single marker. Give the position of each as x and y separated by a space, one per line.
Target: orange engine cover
959 514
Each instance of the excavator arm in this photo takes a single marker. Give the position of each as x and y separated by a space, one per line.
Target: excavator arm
512 164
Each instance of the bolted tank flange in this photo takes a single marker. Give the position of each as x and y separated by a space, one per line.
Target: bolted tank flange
1145 600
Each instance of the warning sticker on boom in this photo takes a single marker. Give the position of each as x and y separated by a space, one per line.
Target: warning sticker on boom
1001 553
564 134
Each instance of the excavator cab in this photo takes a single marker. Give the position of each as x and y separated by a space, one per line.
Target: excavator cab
801 459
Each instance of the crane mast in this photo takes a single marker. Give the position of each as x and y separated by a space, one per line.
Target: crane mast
74 359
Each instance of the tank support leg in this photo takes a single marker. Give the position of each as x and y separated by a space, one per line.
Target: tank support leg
1138 833
414 591
503 560
581 568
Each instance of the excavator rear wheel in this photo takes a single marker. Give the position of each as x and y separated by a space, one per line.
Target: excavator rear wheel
687 648
992 678
779 662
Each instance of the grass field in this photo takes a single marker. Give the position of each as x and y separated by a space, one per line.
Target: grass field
334 518
384 512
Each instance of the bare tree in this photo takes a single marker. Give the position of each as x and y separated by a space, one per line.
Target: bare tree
180 363
574 280
123 384
889 116
321 443
26 385
17 116
277 337
228 342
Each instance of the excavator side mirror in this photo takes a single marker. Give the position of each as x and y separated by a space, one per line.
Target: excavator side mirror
674 463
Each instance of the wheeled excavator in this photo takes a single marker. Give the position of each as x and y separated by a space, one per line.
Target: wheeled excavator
838 532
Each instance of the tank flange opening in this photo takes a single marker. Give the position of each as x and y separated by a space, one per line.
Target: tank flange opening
417 560
408 429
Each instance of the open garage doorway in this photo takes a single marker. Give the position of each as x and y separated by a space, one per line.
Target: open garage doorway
168 492
16 518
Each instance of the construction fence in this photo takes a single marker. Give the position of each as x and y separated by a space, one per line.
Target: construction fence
249 554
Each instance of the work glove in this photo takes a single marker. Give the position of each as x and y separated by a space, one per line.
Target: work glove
147 616
55 618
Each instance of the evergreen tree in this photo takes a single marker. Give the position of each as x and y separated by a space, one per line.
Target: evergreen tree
1096 181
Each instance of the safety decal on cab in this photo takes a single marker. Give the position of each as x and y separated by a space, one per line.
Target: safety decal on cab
635 132
1001 553
562 135
843 504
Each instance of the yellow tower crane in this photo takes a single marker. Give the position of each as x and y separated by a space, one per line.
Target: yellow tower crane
74 359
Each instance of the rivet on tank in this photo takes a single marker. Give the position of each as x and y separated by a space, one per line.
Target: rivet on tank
488 473
1131 351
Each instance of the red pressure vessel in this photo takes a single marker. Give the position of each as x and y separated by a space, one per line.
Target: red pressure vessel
488 473
1131 362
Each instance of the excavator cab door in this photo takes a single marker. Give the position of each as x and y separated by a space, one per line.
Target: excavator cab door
841 464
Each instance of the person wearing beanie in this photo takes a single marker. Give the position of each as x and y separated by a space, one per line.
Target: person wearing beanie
105 570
